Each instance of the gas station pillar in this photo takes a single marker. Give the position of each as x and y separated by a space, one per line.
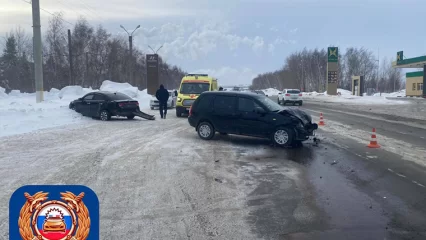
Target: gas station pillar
332 70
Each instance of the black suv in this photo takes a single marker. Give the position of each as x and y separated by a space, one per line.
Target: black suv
251 115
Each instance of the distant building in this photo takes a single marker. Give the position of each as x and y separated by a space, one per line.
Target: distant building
414 84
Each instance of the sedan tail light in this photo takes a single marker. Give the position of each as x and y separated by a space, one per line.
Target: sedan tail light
300 94
287 94
128 103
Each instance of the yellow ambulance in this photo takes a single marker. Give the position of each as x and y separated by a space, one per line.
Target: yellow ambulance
191 86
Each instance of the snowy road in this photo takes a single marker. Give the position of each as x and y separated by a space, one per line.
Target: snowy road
158 180
155 179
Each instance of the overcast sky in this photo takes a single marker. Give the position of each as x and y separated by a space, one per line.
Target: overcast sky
236 40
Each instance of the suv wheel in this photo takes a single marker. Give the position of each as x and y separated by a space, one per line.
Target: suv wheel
105 116
178 113
205 131
282 137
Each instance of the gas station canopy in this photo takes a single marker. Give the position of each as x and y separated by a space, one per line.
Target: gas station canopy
417 62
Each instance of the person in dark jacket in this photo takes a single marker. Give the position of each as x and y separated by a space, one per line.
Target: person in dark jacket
162 95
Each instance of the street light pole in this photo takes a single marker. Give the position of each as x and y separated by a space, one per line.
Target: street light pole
130 53
155 52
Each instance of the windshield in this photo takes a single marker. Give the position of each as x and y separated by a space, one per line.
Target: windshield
194 88
270 104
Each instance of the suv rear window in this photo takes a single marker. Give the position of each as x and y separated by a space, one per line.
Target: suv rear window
293 91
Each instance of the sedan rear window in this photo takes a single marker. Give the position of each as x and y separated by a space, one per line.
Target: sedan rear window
293 91
118 96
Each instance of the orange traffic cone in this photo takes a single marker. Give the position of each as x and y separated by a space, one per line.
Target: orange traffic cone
321 122
373 141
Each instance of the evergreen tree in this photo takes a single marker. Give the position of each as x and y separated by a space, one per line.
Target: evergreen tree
10 53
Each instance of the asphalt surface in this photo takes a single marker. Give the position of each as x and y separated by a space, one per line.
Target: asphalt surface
158 180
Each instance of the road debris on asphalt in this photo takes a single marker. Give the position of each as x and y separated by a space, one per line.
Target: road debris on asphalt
218 180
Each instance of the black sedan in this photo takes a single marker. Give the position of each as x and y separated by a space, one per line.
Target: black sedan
103 105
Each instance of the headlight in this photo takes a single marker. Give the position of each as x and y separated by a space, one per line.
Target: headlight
179 99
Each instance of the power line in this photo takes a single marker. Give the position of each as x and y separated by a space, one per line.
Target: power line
90 9
78 13
50 13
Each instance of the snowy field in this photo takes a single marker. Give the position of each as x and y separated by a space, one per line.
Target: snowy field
19 112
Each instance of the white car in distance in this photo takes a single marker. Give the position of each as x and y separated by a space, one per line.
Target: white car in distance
292 96
171 102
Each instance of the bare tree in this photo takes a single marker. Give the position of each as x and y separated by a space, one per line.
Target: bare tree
97 56
307 71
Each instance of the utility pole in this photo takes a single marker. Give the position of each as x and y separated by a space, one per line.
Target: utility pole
394 81
87 65
131 60
38 55
70 58
131 53
378 69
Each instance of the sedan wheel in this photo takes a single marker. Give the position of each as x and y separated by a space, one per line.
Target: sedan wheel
104 116
283 137
205 131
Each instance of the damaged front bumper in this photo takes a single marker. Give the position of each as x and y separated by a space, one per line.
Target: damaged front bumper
303 132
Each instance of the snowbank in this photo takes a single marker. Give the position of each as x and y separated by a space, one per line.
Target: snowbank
70 92
350 99
2 93
343 92
347 97
125 88
19 113
271 91
394 94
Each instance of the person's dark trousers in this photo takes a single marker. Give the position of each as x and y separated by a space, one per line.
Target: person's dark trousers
163 107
